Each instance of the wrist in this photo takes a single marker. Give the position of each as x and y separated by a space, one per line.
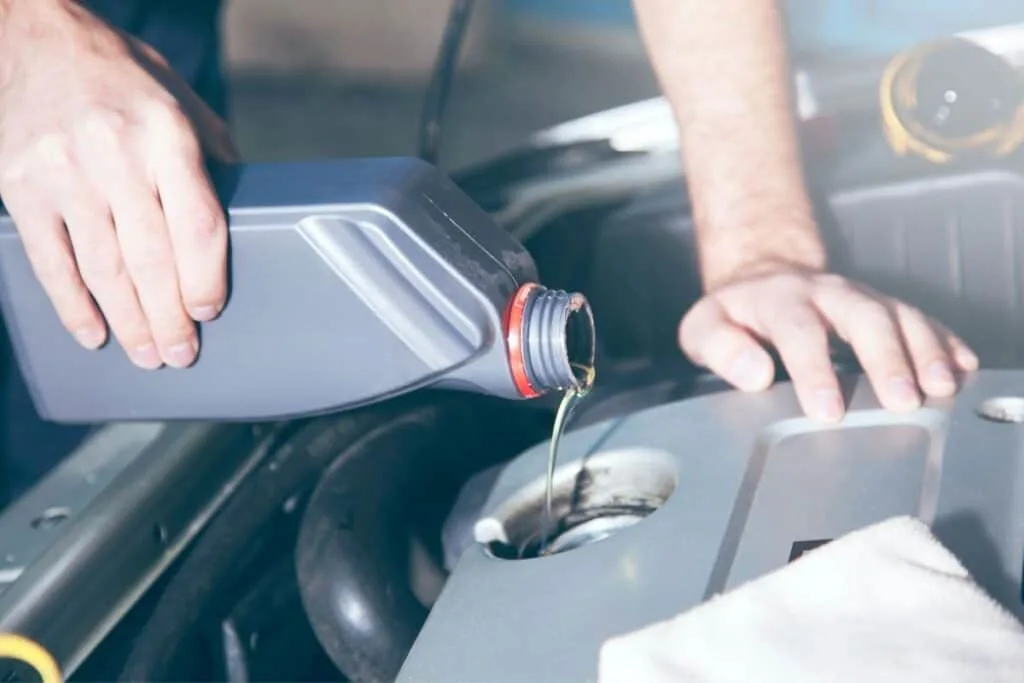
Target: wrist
759 248
32 31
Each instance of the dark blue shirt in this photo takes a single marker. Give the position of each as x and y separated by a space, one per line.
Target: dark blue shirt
185 32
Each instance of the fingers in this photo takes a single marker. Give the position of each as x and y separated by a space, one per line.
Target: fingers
901 350
111 197
712 340
195 220
801 338
103 271
938 353
149 261
147 239
53 262
871 329
142 239
963 356
928 352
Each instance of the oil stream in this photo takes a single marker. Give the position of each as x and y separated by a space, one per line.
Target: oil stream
570 400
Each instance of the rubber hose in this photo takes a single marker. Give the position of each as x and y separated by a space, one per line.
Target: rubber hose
352 552
206 577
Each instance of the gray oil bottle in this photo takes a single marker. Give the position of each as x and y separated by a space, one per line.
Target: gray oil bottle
351 282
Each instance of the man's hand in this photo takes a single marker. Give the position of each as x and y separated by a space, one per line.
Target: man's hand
723 67
102 170
901 350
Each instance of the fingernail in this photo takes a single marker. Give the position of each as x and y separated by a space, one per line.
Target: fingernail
941 376
749 372
90 337
204 313
182 355
903 392
828 405
146 356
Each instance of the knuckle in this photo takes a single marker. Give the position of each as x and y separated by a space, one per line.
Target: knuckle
700 317
796 279
14 174
126 319
781 314
183 330
167 119
873 309
77 315
150 261
917 318
172 327
147 254
146 251
920 336
887 356
57 267
208 226
130 329
832 281
102 267
50 153
104 125
789 281
800 324
198 295
54 152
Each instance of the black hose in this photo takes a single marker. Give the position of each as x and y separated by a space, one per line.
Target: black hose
211 575
441 80
352 553
392 471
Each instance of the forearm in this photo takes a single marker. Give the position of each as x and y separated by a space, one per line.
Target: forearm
722 64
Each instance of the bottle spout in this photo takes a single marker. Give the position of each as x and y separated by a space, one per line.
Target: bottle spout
551 340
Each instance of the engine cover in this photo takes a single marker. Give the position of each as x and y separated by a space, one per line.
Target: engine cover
667 507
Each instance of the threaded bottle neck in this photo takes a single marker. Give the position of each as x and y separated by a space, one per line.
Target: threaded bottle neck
554 344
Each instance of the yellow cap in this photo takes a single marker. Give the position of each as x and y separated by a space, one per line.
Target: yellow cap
14 646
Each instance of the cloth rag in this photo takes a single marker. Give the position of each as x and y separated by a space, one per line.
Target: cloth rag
885 604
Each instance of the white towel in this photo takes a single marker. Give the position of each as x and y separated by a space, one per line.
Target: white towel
886 604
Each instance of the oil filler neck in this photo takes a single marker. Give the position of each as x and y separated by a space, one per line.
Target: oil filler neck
551 340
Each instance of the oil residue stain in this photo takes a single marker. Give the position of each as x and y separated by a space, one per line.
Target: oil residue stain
570 400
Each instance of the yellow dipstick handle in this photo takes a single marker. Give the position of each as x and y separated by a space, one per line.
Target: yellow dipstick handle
13 646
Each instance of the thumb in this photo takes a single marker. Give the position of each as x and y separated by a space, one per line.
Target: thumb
711 339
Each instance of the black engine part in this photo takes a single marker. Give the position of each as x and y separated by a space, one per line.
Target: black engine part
403 462
352 556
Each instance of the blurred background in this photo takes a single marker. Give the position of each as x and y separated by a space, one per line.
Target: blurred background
345 77
314 78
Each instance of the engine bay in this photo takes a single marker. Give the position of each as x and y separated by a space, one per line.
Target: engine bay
399 539
668 507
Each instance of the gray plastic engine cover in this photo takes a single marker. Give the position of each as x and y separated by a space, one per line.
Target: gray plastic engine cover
753 478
